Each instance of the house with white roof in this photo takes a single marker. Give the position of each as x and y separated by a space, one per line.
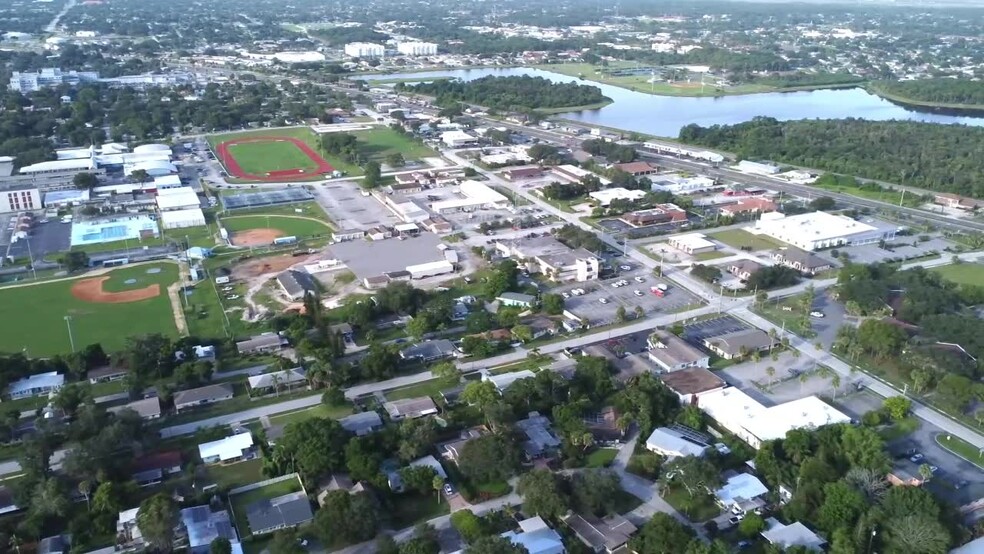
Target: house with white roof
35 385
797 534
742 492
536 537
753 423
235 448
504 380
672 443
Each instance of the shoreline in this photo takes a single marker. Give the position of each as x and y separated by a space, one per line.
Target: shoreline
975 110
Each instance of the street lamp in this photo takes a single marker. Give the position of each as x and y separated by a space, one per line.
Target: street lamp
68 323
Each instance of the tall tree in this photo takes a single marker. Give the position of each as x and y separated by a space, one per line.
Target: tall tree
157 519
542 494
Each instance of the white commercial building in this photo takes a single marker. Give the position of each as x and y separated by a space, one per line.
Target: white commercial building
685 152
458 139
179 219
476 195
693 243
817 230
753 423
58 166
183 198
671 443
35 385
49 77
154 168
606 196
430 269
21 199
757 168
552 258
417 48
364 50
677 184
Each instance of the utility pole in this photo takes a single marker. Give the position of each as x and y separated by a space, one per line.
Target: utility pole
68 323
902 198
31 256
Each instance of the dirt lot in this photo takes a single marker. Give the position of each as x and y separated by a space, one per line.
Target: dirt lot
267 265
255 237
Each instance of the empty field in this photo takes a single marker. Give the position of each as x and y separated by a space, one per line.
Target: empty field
379 143
739 238
963 273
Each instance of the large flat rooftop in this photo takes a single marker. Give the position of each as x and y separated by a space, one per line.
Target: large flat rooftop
372 258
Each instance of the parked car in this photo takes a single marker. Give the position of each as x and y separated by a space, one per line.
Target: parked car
817 314
603 300
448 489
637 292
625 267
916 457
640 279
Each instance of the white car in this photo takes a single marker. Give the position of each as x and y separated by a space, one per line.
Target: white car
603 300
640 279
816 314
637 292
565 295
616 284
625 267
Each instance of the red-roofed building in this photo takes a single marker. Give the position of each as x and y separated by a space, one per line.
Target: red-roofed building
152 468
749 206
955 201
657 215
637 169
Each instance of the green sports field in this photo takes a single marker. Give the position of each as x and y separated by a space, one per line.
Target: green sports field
962 274
34 315
261 157
290 226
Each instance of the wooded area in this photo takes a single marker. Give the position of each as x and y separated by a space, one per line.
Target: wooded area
943 158
936 91
505 93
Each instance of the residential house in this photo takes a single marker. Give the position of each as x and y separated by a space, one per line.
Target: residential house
154 468
297 284
452 450
58 544
391 321
362 423
451 396
677 442
268 382
740 343
801 260
744 269
209 394
430 351
128 535
540 326
105 374
749 206
794 534
7 504
516 299
503 381
606 534
203 526
431 462
637 169
536 537
35 385
147 408
340 482
905 474
671 353
603 425
540 441
267 342
272 514
690 384
742 492
410 408
234 448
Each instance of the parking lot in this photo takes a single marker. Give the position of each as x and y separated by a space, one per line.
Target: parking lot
697 332
601 300
44 238
902 247
345 205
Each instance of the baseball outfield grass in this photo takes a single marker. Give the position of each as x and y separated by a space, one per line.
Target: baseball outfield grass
34 315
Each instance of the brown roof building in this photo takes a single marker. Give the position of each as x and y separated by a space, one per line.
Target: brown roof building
637 169
658 215
689 384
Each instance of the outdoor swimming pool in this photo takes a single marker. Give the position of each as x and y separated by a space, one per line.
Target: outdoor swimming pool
131 227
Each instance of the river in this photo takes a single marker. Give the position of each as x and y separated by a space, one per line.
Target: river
665 115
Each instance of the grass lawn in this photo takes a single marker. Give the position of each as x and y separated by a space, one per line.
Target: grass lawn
962 448
379 143
236 475
242 501
698 508
321 410
430 388
963 273
241 401
601 457
738 238
307 209
794 320
41 329
884 195
288 225
707 256
625 502
409 509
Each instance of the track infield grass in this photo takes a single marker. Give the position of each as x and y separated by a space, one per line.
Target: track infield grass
262 157
35 318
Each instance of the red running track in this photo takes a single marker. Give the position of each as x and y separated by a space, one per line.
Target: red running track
300 173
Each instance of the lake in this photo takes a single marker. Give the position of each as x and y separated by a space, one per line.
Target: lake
665 115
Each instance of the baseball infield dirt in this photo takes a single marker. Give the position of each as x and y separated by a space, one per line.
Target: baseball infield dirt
90 290
255 237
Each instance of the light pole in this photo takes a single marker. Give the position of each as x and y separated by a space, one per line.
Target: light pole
68 323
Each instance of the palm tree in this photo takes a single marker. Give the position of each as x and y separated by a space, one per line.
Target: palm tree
771 372
802 379
275 379
14 542
835 382
438 485
85 488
